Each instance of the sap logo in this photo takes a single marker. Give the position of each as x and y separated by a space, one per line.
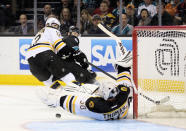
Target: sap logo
23 46
104 53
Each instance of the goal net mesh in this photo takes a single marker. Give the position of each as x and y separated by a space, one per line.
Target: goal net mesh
160 70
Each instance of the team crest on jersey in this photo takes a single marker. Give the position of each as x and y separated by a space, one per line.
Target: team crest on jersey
91 104
123 89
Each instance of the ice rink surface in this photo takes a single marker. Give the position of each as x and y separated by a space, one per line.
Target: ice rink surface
21 110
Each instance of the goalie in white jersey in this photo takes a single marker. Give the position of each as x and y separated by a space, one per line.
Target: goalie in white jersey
111 101
44 62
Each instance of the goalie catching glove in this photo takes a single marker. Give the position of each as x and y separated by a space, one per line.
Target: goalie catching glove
124 60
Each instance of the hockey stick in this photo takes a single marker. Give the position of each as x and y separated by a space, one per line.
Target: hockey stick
101 70
161 101
118 41
123 50
157 102
85 88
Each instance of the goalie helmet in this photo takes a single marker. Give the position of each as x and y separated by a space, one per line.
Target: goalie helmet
53 22
108 90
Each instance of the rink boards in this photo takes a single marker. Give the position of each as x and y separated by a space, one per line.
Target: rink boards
14 69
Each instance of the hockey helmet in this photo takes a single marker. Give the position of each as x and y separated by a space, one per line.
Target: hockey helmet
53 22
73 29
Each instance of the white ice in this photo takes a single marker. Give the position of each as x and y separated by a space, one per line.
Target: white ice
21 110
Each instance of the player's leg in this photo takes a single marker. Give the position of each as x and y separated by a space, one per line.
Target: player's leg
60 68
123 69
122 66
38 68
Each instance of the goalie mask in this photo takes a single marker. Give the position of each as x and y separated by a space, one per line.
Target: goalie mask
53 22
108 90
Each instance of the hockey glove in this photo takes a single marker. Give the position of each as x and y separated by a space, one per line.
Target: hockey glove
65 52
124 60
81 58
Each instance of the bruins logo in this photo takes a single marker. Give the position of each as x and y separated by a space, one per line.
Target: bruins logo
91 104
123 89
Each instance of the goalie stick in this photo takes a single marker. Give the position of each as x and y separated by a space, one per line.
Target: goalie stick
85 88
123 50
101 70
157 102
118 41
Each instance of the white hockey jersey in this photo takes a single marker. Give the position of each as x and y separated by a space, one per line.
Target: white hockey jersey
47 38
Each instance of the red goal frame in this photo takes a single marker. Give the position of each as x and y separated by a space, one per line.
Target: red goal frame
135 57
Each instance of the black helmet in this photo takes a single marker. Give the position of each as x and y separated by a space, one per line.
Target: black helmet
73 29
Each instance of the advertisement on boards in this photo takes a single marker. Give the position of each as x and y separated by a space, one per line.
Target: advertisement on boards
104 52
23 46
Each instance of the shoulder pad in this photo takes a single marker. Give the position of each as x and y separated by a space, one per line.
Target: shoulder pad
71 41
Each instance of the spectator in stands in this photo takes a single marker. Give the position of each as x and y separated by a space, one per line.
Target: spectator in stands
108 19
90 5
47 11
171 8
175 3
167 19
182 9
2 20
103 6
144 19
66 21
131 15
184 20
126 28
115 12
149 5
86 21
7 18
74 9
64 4
96 19
40 25
110 7
25 28
135 2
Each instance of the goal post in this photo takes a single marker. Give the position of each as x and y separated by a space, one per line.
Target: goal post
159 70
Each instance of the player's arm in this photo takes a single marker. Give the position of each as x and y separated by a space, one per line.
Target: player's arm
71 51
61 48
81 58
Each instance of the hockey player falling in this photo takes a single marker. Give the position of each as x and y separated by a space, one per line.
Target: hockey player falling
45 62
110 101
105 101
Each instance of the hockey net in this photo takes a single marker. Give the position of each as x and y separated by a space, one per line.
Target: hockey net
159 70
